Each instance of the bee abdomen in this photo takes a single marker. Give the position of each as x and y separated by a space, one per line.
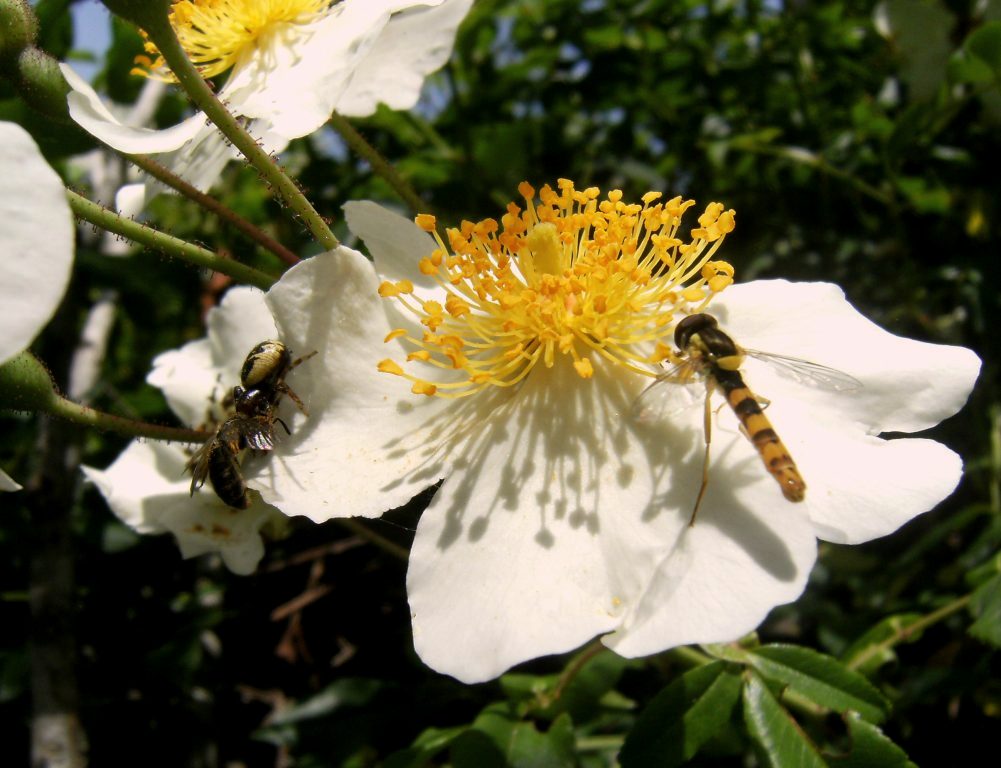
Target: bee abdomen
227 479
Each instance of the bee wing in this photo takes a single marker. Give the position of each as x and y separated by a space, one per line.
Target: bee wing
673 391
808 374
257 435
198 465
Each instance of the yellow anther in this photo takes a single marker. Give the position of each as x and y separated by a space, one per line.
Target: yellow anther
425 221
388 366
423 388
388 289
455 306
394 334
565 275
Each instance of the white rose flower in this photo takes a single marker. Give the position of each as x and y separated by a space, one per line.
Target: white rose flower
562 516
36 245
293 63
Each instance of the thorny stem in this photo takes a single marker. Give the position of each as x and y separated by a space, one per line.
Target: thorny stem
362 530
379 164
87 416
905 633
165 39
151 238
163 174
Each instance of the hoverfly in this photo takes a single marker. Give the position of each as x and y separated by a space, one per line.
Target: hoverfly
251 427
710 355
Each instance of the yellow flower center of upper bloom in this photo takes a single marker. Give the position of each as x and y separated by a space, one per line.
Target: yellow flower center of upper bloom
217 33
573 276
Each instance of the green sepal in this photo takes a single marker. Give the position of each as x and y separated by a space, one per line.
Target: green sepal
18 28
26 385
147 14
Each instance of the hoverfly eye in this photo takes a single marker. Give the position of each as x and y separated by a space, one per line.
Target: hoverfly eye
689 326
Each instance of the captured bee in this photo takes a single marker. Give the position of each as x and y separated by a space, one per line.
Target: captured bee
251 427
712 356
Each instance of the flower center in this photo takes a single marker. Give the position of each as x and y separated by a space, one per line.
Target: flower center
572 276
217 33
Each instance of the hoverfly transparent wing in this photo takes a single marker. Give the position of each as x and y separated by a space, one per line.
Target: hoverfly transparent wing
673 391
808 374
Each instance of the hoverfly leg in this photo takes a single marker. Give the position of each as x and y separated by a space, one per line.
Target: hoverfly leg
707 424
284 425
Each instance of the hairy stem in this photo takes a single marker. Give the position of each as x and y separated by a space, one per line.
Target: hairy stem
191 80
101 217
210 204
360 146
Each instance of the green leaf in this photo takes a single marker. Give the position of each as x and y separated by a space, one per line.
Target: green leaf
520 743
926 196
774 731
985 44
820 678
870 747
873 649
429 743
683 717
348 692
986 607
475 749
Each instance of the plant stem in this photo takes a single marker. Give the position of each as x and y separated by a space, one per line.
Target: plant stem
151 238
592 649
905 633
88 417
165 39
163 174
360 146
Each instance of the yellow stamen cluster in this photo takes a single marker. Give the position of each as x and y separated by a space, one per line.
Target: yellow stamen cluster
573 275
217 33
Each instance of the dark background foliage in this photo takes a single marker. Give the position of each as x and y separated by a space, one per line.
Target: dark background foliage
853 138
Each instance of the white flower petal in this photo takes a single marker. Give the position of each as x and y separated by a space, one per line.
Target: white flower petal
908 385
296 83
861 487
548 530
396 243
90 114
130 199
738 561
148 489
36 240
7 483
368 444
412 45
207 369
